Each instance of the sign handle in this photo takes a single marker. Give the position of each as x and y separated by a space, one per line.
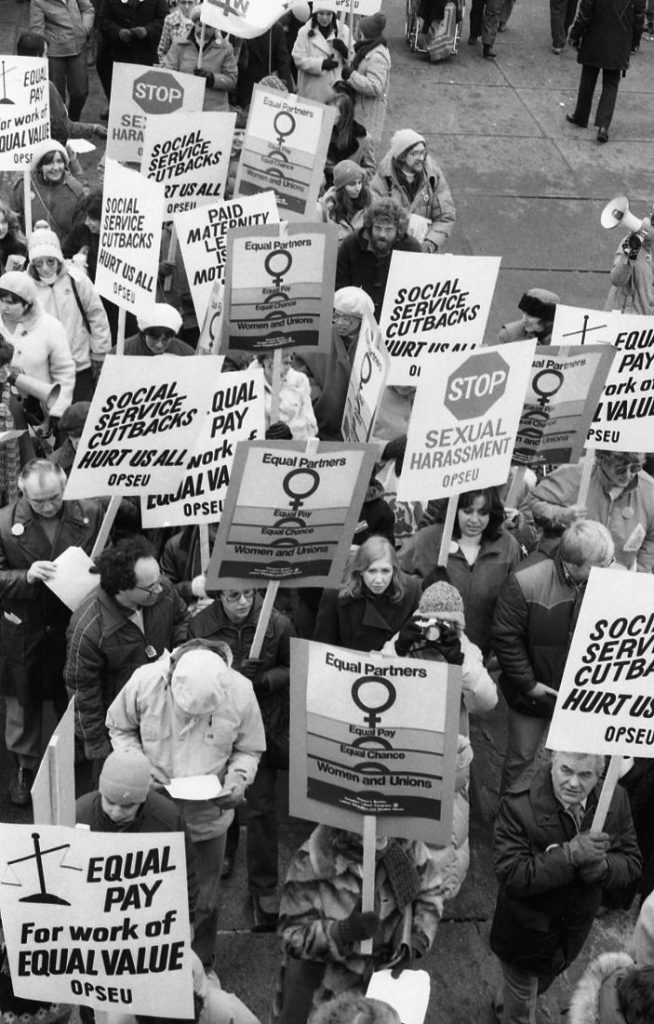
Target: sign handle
107 523
201 46
27 202
264 618
205 550
276 385
517 484
350 24
368 880
584 483
120 336
448 526
171 256
608 789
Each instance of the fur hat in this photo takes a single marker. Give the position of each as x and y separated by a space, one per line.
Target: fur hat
160 314
405 138
45 147
443 601
198 683
73 419
352 301
642 941
346 172
44 243
125 777
325 5
372 26
539 302
19 283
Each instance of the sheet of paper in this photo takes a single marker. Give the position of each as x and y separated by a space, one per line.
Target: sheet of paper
10 435
195 787
408 994
80 145
73 581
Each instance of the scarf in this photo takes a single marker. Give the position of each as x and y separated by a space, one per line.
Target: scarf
402 874
10 462
363 48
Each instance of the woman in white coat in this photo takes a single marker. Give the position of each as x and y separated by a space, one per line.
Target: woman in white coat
321 51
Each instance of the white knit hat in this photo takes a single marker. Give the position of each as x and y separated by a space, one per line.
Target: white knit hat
405 138
353 301
160 314
44 243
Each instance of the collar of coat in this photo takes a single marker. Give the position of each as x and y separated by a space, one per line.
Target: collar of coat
595 999
538 782
113 615
73 522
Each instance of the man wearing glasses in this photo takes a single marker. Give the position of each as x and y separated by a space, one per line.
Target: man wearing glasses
620 495
129 621
158 329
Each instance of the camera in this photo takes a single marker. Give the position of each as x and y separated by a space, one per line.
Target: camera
632 246
439 629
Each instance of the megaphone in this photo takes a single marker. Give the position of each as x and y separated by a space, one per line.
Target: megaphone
46 394
617 212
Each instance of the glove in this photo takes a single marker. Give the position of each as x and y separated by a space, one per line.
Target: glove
140 32
15 262
198 585
251 668
279 431
345 73
341 48
587 848
329 64
166 269
591 873
100 130
356 927
97 751
410 634
451 649
396 449
96 369
124 35
429 246
208 75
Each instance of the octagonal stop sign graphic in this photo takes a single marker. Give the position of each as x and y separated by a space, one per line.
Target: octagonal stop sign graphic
476 385
158 92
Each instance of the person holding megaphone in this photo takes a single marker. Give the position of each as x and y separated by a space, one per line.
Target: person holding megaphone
632 283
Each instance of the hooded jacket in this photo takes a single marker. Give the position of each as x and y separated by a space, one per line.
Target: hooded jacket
57 298
432 200
595 999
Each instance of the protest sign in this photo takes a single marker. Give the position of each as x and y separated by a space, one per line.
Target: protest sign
562 395
279 287
434 304
25 101
625 413
202 235
122 936
363 7
142 425
245 19
373 735
140 94
367 382
53 790
284 149
605 703
236 413
190 158
464 419
130 237
289 513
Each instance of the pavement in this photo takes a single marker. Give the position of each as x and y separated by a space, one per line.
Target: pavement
529 187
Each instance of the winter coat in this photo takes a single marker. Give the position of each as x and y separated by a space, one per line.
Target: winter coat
176 26
345 225
65 25
295 407
310 50
329 380
535 616
370 83
264 55
357 264
61 127
515 331
57 204
41 350
156 814
629 517
479 584
116 15
33 622
360 151
432 200
105 647
324 886
594 1000
544 910
376 517
632 287
87 344
229 742
135 346
217 57
364 623
604 31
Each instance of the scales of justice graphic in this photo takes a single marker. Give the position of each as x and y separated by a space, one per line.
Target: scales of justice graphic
43 895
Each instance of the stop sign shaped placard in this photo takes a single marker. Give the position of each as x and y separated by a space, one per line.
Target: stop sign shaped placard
476 385
158 92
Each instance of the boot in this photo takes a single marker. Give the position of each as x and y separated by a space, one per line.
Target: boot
19 791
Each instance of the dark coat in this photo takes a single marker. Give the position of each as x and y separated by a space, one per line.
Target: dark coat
260 57
605 30
364 623
544 910
33 623
358 265
105 647
329 376
116 15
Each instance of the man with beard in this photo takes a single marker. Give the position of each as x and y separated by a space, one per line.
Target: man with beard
364 257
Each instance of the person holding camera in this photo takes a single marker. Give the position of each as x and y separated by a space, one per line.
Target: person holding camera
632 286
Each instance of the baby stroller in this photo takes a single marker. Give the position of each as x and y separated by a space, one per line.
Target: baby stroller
433 27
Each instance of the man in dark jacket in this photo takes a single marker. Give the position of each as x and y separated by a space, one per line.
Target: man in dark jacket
232 617
34 531
130 620
552 869
130 34
535 616
364 257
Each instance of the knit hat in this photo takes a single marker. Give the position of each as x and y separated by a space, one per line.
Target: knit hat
443 601
325 5
539 302
198 683
352 301
405 139
373 25
301 10
346 172
160 314
73 419
19 283
45 147
125 777
273 82
44 243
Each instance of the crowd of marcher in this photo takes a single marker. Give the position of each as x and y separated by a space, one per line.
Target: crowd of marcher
161 669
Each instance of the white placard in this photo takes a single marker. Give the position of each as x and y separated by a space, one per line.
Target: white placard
408 993
194 787
73 581
25 109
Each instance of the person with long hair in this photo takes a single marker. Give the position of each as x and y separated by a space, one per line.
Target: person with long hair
482 555
321 52
13 244
373 603
369 73
347 200
349 139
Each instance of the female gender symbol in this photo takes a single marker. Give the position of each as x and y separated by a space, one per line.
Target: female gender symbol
277 275
541 387
298 496
374 713
278 121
